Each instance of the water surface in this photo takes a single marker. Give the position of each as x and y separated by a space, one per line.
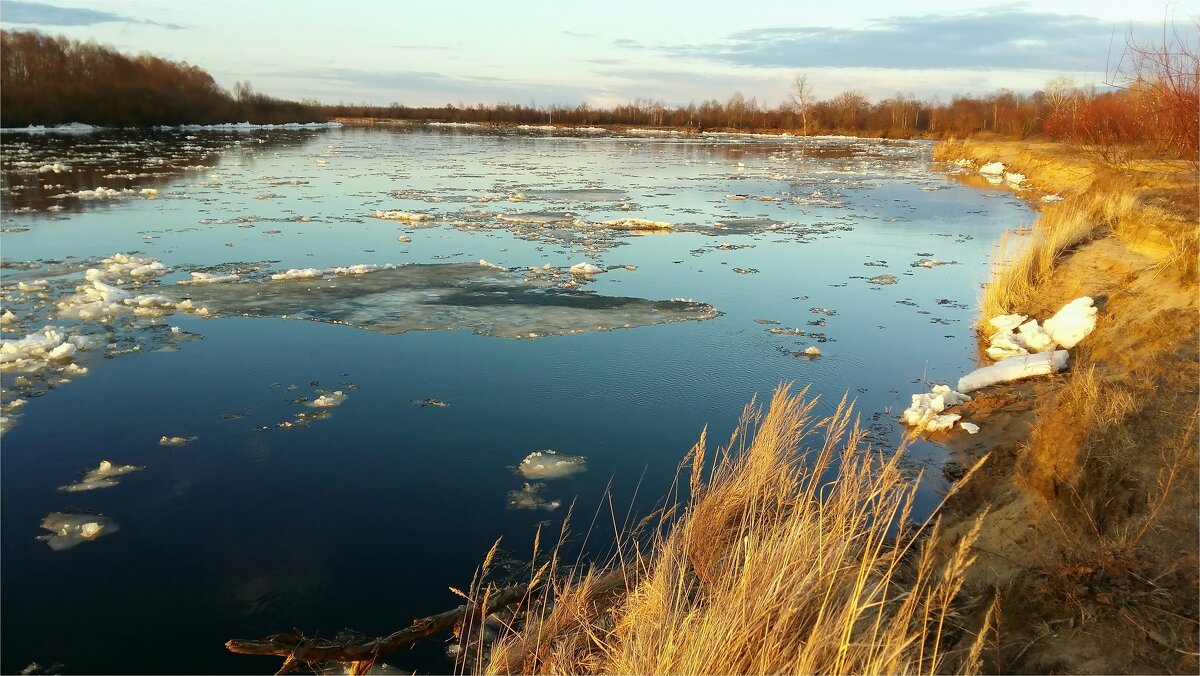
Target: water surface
281 514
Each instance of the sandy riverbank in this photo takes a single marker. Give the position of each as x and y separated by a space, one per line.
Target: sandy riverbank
1089 543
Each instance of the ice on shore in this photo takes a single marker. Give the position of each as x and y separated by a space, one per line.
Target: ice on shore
1017 335
103 476
551 465
925 414
70 529
1014 368
1073 322
493 266
992 169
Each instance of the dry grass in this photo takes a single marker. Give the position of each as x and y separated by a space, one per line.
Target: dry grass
795 555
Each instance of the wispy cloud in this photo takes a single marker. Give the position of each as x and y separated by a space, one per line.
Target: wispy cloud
38 14
991 38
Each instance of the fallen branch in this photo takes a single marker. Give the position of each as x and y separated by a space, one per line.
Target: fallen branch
298 648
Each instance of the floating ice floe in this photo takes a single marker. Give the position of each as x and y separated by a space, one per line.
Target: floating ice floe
134 266
68 128
585 269
33 287
328 400
37 350
209 278
7 317
1014 368
103 476
883 279
925 414
530 497
435 403
101 193
1016 334
442 297
70 529
298 273
493 266
402 216
56 167
551 465
176 441
638 224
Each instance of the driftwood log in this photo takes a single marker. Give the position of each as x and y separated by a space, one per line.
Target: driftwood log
297 648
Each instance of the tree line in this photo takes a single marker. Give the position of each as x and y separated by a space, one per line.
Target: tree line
1152 102
53 80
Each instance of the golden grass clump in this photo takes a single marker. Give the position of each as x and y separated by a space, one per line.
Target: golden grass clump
796 554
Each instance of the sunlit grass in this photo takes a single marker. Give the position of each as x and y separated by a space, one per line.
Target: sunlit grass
795 553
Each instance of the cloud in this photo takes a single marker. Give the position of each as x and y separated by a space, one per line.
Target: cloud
577 34
989 38
38 14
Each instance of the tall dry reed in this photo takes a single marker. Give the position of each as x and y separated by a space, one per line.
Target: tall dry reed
795 553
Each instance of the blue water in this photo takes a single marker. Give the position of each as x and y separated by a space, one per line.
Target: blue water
363 520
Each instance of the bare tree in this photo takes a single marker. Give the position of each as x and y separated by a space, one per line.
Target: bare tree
802 98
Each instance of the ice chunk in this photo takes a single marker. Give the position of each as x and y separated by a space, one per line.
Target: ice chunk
585 269
7 317
992 169
57 168
925 412
103 476
551 465
328 400
70 529
34 286
812 351
176 441
493 266
1014 368
971 428
940 423
298 273
1007 322
1014 179
1033 337
883 279
1073 322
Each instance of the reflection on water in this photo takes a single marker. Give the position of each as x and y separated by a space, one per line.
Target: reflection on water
323 462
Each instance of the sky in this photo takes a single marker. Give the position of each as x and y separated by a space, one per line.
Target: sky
567 53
